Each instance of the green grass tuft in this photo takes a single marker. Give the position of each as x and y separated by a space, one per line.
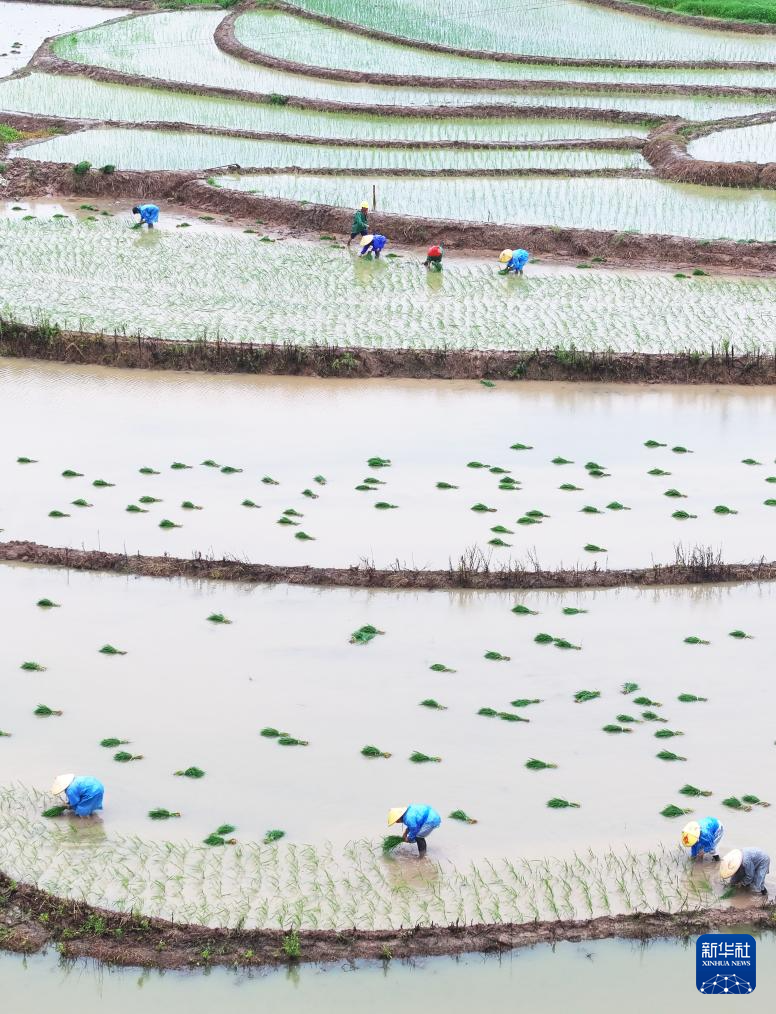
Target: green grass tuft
192 772
161 814
673 811
365 634
582 696
462 816
272 836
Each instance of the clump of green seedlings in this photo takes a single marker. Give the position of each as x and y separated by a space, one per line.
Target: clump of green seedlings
561 804
418 757
527 520
769 502
521 447
148 499
70 473
675 494
304 537
4 734
487 712
191 772
214 839
57 514
692 639
591 547
179 465
691 699
646 702
750 461
740 635
627 718
80 502
112 741
587 509
667 733
524 702
561 642
147 470
653 443
187 505
32 667
615 505
209 463
499 543
754 800
309 494
561 461
132 508
377 462
218 618
616 728
390 842
485 383
383 505
440 667
534 764
292 741
123 756
445 485
103 484
47 604
683 516
269 481
429 702
365 634
734 803
166 523
161 814
652 716
508 716
667 755
573 611
23 460
693 790
476 464
496 656
521 610
44 711
230 470
54 811
272 836
723 509
679 449
482 508
374 751
673 811
569 487
463 816
629 688
249 503
657 472
582 696
287 521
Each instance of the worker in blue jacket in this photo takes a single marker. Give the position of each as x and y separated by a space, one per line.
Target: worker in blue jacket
419 821
513 260
372 245
701 837
83 793
149 214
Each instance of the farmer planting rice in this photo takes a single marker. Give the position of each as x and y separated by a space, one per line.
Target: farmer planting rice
360 226
372 244
419 821
746 868
149 214
701 837
514 260
83 793
433 259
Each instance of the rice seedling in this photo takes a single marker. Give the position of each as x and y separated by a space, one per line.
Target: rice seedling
582 696
304 537
507 716
754 800
561 642
627 718
769 503
148 499
372 480
692 639
593 466
485 383
166 523
218 618
629 688
288 521
70 473
363 488
683 516
569 487
80 502
740 635
536 514
734 803
32 667
373 751
521 610
598 473
653 443
272 836
524 702
499 543
57 514
561 461
476 464
4 734
481 508
544 639
526 520
292 741
383 505
502 530
592 548
645 702
445 485
750 461
652 716
615 505
667 733
561 804
496 656
693 790
376 462
365 634
26 461
161 814
132 508
679 449
573 611
191 772
123 757
521 447
179 465
429 702
102 484
108 649
440 667
54 811
534 764
690 698
723 509
417 757
187 505
230 470
509 486
215 840
462 816
112 741
390 842
47 604
269 732
498 470
675 493
673 811
616 728
249 503
44 711
487 712
657 472
147 470
309 494
269 481
666 755
320 479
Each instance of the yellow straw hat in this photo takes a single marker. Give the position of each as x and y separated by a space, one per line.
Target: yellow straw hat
61 782
730 863
691 834
505 256
395 814
366 240
365 205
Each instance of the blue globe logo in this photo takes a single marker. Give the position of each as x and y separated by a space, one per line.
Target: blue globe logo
726 984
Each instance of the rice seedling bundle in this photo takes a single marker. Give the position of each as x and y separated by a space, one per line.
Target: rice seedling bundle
26 461
377 462
488 712
44 711
666 755
417 757
570 487
723 509
123 757
32 667
249 503
161 814
304 537
365 634
502 530
616 728
592 548
653 443
148 499
4 734
445 485
598 473
57 514
524 702
166 523
383 505
102 484
673 811
561 461
133 508
652 716
230 470
521 610
771 478
462 816
373 751
189 506
485 383
667 733
615 505
534 764
476 464
440 667
429 702
54 811
561 804
112 741
363 488
218 618
309 494
734 803
536 514
47 604
179 465
191 772
521 447
269 481
496 656
544 639
754 800
80 502
214 840
740 635
692 639
573 611
675 493
481 508
291 513
693 790
320 479
683 516
679 449
269 732
499 543
70 473
390 842
292 741
526 520
769 503
147 470
507 716
657 472
646 702
561 642
498 470
272 836
288 521
750 461
691 699
626 718
108 649
629 688
582 696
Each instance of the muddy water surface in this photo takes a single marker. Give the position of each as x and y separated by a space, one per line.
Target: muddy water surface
30 23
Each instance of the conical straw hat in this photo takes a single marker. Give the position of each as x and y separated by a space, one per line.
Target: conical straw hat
395 814
61 782
730 863
366 240
691 833
505 256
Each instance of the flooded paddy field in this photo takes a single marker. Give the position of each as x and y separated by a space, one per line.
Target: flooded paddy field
23 26
742 144
154 421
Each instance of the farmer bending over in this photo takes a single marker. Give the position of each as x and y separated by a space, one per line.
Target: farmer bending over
419 821
372 244
434 257
746 868
514 260
360 226
83 794
702 837
149 213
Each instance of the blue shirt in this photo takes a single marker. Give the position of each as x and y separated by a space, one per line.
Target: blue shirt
149 213
378 242
711 833
420 817
84 794
518 261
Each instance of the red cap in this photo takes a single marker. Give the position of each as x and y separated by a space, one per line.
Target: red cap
434 251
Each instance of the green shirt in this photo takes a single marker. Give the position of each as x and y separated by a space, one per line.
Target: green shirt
360 223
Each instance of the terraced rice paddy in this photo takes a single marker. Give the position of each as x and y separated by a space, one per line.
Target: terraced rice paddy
146 149
647 206
742 144
570 30
162 626
448 426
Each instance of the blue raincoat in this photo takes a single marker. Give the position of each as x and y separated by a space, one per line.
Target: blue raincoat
420 820
755 866
711 833
378 242
84 794
149 213
518 261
